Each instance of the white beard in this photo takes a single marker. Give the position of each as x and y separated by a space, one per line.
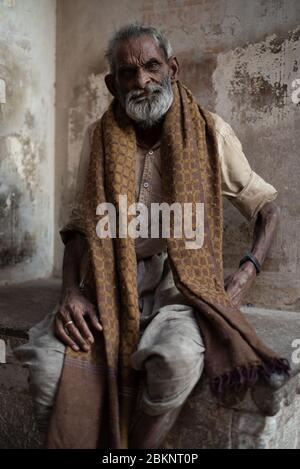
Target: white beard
148 110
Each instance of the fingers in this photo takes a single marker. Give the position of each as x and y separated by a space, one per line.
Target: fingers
237 301
75 333
83 326
80 330
94 318
235 292
231 289
63 336
70 335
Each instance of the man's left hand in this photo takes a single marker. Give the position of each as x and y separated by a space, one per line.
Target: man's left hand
238 283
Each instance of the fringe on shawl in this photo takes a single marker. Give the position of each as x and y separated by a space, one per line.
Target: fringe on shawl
243 377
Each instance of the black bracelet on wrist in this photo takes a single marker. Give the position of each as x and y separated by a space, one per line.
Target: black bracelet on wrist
251 257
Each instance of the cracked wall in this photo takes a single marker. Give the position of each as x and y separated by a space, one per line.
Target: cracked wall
239 58
254 88
27 68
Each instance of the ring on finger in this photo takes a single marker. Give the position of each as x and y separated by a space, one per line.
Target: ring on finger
68 324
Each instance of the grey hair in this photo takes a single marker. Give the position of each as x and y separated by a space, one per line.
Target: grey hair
136 30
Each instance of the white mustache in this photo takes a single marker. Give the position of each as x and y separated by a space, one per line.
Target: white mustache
146 93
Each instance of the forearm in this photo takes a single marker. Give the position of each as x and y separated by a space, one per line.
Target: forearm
70 325
264 230
239 282
74 250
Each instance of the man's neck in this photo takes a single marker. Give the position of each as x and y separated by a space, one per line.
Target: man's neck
148 137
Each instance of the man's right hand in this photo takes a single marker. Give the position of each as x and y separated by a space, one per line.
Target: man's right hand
74 307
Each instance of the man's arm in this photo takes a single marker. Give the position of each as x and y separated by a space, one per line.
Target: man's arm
252 196
238 283
73 305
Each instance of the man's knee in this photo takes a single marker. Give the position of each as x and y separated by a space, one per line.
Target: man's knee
44 367
174 364
170 377
44 377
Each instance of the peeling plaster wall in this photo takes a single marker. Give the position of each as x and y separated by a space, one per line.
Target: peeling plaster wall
240 59
27 68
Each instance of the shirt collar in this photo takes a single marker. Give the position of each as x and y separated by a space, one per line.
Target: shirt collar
153 148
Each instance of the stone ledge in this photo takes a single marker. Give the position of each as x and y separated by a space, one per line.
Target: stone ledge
25 304
268 416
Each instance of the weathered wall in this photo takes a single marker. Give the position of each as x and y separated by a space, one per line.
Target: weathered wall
27 72
239 58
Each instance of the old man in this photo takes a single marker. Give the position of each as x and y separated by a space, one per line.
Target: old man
140 319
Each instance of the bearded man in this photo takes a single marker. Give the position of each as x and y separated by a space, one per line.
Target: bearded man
139 320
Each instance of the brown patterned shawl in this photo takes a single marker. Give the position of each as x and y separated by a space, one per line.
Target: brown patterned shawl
235 357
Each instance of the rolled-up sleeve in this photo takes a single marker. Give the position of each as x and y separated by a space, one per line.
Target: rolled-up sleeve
244 188
75 220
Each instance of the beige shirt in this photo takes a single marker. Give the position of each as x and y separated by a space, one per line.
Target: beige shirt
245 189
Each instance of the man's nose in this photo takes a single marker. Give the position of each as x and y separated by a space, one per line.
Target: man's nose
142 78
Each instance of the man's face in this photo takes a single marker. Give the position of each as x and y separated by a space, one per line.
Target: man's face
142 80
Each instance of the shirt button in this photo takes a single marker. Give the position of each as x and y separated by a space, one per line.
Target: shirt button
151 152
146 184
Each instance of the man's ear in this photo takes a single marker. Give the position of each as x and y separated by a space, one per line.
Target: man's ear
174 67
110 84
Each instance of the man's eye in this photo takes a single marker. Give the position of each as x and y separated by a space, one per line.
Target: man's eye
126 71
153 66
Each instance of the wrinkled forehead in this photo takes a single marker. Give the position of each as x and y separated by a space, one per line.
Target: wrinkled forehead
138 51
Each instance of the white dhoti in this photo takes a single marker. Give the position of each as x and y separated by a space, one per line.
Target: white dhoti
170 353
